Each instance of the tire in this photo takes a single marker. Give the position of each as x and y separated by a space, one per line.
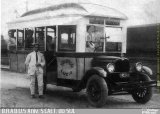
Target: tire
97 91
143 95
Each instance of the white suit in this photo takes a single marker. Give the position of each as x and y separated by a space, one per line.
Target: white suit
35 72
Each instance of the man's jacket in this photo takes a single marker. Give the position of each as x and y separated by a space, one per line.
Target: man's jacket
31 62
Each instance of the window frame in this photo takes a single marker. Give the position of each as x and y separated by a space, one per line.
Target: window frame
36 36
12 46
96 25
74 27
25 39
20 47
53 37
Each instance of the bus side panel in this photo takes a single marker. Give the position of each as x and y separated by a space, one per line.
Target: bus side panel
80 68
88 64
21 62
51 77
67 68
26 68
13 62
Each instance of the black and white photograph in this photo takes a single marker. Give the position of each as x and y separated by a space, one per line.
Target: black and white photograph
65 56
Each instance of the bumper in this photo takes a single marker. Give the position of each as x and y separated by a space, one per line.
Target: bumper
135 85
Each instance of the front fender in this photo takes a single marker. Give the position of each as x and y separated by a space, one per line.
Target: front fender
95 70
147 70
100 71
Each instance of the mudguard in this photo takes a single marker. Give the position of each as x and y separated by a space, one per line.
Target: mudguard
95 70
100 71
147 70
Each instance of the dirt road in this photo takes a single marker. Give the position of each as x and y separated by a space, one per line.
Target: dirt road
15 93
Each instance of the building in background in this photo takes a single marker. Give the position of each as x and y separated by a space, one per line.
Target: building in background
142 40
142 45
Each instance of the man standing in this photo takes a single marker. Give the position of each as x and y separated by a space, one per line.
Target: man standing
35 62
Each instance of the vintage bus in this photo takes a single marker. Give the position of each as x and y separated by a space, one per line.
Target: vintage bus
84 46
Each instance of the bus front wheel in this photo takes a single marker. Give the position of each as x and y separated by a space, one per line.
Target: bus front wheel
97 91
143 95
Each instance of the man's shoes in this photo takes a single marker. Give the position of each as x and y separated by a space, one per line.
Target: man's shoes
41 96
33 96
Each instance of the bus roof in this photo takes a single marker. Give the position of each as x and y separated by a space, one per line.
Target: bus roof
63 12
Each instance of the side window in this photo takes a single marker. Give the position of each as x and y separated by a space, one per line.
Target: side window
94 38
20 39
67 38
64 38
40 39
12 40
29 38
51 38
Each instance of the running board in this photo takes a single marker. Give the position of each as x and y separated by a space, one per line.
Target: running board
120 93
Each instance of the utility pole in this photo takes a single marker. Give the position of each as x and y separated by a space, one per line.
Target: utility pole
26 5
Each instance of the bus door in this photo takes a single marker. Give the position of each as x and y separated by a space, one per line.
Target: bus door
67 64
51 62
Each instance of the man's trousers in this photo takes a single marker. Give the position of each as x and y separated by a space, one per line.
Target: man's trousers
39 77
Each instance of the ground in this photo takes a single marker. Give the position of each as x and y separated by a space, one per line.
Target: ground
15 93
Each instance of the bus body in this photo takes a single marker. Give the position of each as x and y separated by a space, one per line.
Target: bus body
84 47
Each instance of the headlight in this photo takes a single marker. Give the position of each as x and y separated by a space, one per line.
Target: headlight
139 66
110 67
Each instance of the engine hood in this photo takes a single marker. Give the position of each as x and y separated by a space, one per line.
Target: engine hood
108 58
121 63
